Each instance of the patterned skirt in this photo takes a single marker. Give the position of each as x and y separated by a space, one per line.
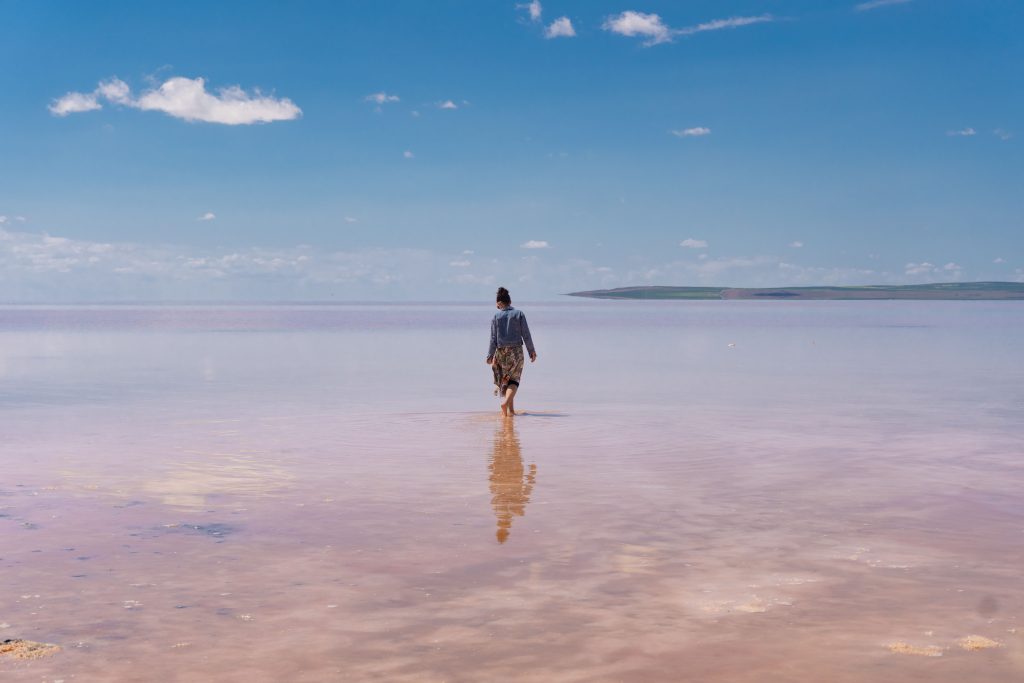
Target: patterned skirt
507 367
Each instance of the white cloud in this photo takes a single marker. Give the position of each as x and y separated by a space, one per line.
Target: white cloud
998 259
351 219
1002 134
951 270
208 216
533 8
40 267
966 132
874 4
408 154
47 268
656 31
3 219
381 98
472 280
632 24
25 254
115 90
467 252
188 99
696 132
796 244
74 102
447 104
535 244
731 22
919 268
691 243
560 28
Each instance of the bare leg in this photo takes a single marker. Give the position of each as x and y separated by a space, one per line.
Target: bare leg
507 404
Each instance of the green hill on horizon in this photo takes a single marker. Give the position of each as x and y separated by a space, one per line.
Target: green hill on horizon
938 291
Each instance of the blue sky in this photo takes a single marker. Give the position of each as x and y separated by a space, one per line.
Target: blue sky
686 143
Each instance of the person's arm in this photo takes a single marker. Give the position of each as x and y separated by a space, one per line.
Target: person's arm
526 336
494 340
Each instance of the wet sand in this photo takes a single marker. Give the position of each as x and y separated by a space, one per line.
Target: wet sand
278 504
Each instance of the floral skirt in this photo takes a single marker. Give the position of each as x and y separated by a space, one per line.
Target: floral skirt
507 367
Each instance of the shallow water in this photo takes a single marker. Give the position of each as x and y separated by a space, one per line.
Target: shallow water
705 491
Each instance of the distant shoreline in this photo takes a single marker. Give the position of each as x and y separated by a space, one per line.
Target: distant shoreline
940 291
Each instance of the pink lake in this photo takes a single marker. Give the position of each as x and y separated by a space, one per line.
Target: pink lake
697 491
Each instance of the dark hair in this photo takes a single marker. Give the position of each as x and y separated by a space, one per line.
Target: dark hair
503 297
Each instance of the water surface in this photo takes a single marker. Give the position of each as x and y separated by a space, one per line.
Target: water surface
706 491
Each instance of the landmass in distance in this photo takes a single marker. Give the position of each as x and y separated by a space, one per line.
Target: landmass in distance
938 291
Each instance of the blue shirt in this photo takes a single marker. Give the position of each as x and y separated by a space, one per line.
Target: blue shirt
509 328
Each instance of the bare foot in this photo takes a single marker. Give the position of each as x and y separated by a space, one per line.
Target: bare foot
507 405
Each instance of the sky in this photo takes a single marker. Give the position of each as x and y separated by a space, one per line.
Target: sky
412 150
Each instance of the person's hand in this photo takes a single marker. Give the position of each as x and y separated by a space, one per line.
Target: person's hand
533 357
489 360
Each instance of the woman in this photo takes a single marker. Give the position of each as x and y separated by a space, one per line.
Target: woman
509 332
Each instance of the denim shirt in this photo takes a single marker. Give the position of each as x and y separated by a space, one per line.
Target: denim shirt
509 328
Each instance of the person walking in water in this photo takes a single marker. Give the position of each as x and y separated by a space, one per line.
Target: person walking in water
509 332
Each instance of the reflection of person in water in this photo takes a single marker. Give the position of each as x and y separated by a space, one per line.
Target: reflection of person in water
511 484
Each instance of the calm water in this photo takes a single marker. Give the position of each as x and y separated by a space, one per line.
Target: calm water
701 491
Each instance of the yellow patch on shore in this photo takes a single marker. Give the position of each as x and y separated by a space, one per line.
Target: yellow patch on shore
901 648
753 606
972 643
26 649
